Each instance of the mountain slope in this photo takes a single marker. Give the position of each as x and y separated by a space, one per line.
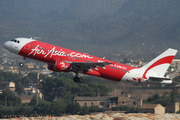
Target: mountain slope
104 25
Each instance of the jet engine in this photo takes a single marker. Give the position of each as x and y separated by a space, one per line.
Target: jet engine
59 66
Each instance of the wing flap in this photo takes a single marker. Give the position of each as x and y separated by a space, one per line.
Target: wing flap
88 65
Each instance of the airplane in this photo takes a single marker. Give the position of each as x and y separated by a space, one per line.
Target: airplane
60 59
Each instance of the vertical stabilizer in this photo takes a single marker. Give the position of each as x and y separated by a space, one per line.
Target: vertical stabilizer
160 64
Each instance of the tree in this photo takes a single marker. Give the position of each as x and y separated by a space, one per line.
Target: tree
153 98
57 108
19 89
83 90
84 110
9 98
60 87
103 90
32 76
73 108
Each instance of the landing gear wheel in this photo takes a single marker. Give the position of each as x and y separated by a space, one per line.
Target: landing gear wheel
76 79
21 64
81 79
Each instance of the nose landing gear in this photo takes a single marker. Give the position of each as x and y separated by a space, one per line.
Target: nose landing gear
21 64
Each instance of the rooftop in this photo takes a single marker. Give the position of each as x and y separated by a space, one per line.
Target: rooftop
92 98
149 106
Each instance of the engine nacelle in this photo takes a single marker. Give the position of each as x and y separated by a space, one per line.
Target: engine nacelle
59 66
51 67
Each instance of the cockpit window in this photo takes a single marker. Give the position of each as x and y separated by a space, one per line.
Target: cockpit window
16 41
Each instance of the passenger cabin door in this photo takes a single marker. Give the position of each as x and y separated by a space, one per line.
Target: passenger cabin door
27 45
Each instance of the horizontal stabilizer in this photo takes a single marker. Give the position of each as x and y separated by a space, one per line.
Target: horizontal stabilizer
159 78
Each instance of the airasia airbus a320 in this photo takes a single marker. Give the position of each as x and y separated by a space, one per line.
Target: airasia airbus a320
65 60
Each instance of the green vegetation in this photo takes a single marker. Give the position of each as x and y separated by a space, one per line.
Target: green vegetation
58 98
62 87
7 98
156 99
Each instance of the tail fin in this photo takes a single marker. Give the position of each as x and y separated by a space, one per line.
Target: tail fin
161 63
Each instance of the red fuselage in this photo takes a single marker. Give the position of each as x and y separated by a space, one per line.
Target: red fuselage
49 53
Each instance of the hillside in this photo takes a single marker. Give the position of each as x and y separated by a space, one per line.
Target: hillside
92 26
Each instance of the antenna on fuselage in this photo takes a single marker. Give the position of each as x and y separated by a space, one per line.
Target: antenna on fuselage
35 38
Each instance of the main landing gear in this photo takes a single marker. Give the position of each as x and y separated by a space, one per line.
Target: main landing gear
78 79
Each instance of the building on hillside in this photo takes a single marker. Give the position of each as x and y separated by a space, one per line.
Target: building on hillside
1 90
126 100
26 99
15 71
89 101
152 108
172 107
107 101
30 65
8 84
32 91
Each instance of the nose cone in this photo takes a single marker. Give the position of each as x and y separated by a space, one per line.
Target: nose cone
6 45
10 46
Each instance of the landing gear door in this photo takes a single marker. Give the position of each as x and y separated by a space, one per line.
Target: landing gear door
27 45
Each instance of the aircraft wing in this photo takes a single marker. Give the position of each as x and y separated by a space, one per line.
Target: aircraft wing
88 65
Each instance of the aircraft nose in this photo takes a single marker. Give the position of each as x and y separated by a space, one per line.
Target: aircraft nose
5 44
